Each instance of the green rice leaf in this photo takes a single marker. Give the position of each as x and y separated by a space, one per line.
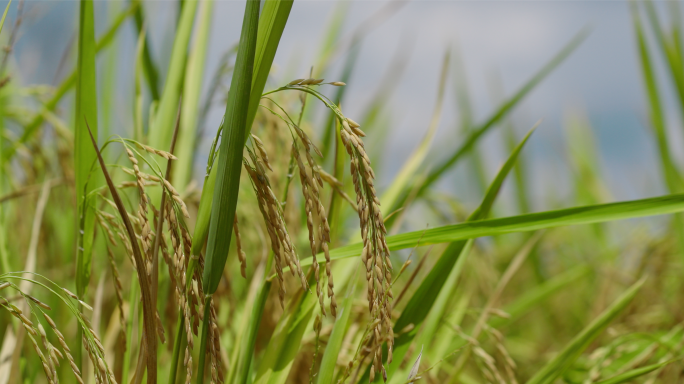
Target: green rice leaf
162 129
274 16
229 166
84 153
271 26
590 214
558 365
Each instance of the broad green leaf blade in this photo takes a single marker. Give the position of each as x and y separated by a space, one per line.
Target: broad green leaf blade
271 26
591 214
229 165
634 373
272 22
194 75
4 14
84 153
496 117
558 365
162 129
274 16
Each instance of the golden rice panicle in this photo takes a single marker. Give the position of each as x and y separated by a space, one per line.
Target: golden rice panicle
310 189
375 253
308 209
271 210
270 228
145 231
240 252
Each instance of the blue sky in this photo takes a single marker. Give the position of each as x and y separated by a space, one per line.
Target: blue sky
509 40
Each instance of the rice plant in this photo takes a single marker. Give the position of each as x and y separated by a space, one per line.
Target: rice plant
285 260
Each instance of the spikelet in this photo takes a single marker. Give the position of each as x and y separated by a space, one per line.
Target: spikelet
147 148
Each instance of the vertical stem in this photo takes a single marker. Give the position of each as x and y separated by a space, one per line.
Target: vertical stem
203 342
176 349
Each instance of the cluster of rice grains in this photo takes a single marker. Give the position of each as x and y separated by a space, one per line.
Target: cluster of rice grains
283 249
49 354
188 289
375 255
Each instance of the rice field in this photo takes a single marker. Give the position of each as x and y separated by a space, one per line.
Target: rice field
285 260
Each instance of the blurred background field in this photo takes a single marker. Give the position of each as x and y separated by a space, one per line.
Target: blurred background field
516 307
